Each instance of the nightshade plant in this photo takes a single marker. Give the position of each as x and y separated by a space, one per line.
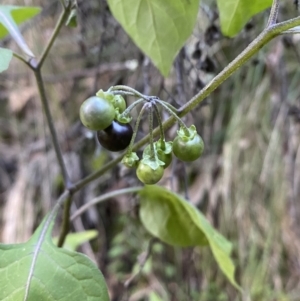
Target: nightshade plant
39 270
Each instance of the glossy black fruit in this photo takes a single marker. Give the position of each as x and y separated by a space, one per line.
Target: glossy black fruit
116 137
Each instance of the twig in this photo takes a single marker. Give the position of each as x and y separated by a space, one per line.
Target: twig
273 14
66 222
50 122
21 58
103 198
61 21
267 35
36 68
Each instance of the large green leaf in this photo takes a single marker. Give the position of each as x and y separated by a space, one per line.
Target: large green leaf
38 270
10 17
158 27
5 58
234 14
172 219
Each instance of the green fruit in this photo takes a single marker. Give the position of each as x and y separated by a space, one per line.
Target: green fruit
148 175
97 113
187 149
166 158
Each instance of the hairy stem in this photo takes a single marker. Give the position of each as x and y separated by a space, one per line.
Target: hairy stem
132 106
182 124
161 128
136 127
267 35
125 88
274 13
150 121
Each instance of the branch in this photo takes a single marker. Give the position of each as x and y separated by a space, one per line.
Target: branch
103 198
21 58
267 35
45 104
66 222
36 68
61 21
273 14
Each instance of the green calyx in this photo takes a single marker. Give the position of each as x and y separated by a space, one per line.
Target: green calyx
162 150
121 117
119 104
130 160
107 95
192 132
153 163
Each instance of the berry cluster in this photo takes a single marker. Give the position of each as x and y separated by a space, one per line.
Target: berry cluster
108 114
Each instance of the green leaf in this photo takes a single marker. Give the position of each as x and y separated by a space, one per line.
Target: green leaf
158 27
234 14
38 270
172 219
5 58
74 240
11 17
72 19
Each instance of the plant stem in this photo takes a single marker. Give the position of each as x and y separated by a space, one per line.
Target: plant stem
81 183
125 88
66 222
50 122
103 198
273 14
121 92
161 129
182 124
132 106
267 35
36 68
150 121
21 58
136 127
172 108
61 21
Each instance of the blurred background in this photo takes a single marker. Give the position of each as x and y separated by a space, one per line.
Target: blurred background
247 182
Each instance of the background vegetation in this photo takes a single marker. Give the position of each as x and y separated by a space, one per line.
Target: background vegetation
247 182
